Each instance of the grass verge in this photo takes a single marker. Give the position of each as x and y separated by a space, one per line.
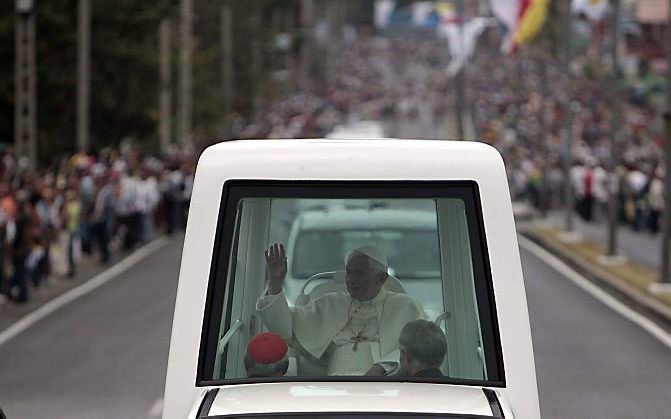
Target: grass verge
630 272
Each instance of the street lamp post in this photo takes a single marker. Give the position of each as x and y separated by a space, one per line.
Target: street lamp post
568 129
306 22
25 105
165 76
611 255
664 284
460 77
544 200
83 69
185 74
227 92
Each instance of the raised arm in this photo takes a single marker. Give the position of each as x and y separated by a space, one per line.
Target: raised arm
276 262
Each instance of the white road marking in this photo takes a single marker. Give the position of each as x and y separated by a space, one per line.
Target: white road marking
156 409
95 282
596 292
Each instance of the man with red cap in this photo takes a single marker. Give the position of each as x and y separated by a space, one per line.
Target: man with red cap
266 356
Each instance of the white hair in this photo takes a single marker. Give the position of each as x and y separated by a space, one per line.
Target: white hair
373 265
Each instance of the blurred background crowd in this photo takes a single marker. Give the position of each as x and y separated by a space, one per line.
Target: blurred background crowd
84 207
571 93
370 79
509 111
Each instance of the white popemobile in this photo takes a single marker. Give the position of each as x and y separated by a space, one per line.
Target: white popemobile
347 356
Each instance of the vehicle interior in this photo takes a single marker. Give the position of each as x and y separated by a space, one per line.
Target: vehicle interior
449 299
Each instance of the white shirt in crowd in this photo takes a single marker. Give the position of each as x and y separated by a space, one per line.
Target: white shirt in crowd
600 184
148 195
636 181
126 204
657 194
577 181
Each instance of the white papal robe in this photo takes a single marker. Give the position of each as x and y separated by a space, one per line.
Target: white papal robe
325 327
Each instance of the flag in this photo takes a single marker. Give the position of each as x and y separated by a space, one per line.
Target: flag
446 12
522 18
593 9
383 11
461 42
421 11
531 21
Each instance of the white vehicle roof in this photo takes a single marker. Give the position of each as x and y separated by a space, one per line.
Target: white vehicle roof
351 160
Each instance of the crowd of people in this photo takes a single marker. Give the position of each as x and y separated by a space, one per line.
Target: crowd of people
87 202
526 112
86 205
519 103
369 78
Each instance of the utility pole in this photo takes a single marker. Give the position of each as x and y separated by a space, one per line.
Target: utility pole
333 38
664 283
275 30
257 63
290 57
307 11
614 134
25 107
568 128
227 88
544 199
83 74
185 74
165 100
460 77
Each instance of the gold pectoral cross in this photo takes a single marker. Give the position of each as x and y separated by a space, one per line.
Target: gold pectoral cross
356 339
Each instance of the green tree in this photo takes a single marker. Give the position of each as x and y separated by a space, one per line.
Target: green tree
124 68
123 72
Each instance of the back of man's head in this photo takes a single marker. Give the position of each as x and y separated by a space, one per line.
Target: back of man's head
424 343
266 356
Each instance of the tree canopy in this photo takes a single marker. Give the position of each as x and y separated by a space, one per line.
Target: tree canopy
124 89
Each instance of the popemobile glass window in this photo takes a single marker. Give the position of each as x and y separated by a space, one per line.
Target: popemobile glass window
323 280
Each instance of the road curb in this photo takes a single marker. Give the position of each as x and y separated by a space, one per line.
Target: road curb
624 292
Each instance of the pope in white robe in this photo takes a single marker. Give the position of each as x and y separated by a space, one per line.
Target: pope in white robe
349 331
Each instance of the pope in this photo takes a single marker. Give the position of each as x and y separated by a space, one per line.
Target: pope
351 332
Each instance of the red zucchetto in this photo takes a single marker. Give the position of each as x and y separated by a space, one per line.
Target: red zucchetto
266 348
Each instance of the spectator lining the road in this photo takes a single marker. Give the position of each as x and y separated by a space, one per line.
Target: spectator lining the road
50 219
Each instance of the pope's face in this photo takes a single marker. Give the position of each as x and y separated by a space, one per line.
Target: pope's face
363 283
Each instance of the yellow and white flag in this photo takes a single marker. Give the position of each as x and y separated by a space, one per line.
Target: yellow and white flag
523 19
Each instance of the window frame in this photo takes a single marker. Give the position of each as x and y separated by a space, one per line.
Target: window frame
234 190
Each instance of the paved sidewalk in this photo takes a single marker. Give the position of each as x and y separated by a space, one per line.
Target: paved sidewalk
628 281
640 246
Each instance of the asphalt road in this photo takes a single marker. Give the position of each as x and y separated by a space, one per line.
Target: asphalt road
101 356
590 361
104 355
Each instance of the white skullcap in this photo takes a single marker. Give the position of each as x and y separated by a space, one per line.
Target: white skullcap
371 252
